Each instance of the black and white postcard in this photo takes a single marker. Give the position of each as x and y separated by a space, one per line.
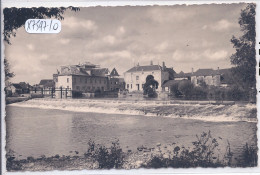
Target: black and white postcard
152 87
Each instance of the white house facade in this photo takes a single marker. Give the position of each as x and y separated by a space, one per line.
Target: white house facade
135 77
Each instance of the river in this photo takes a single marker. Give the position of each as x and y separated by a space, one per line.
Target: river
33 131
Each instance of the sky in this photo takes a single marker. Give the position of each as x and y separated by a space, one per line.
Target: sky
184 37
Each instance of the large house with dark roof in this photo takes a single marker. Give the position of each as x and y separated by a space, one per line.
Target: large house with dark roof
84 77
135 77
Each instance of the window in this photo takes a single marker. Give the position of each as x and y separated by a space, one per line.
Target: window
86 80
68 80
137 77
105 81
111 82
127 86
77 87
90 80
142 85
95 80
100 81
131 86
80 79
68 87
75 80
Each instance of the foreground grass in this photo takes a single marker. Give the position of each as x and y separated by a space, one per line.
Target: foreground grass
202 154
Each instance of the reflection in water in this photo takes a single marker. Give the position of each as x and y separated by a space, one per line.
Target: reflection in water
35 132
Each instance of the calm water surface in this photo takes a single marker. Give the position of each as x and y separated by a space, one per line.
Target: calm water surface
35 132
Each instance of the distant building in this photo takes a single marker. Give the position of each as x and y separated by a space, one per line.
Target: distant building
115 82
135 77
47 83
167 85
208 76
19 88
55 78
16 88
84 77
211 77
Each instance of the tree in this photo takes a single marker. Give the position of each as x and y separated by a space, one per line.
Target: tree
8 73
244 59
175 91
150 85
15 18
186 88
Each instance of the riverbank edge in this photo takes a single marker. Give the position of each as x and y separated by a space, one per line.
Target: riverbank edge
10 100
99 157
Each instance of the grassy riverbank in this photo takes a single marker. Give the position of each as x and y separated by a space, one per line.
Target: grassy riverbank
201 154
10 100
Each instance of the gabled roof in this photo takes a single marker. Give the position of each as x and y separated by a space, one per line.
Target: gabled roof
17 86
86 69
72 70
99 72
145 68
205 72
114 73
47 83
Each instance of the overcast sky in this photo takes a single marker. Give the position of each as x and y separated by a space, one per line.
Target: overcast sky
195 36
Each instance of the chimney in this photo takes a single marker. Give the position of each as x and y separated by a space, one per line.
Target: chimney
151 63
163 65
137 64
192 71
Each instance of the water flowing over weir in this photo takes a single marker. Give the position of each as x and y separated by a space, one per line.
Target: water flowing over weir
203 111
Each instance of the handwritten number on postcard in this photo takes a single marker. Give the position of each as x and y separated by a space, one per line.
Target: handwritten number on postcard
43 26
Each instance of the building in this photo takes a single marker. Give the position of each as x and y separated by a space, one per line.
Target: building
16 88
115 82
19 88
135 77
47 83
84 77
219 77
169 84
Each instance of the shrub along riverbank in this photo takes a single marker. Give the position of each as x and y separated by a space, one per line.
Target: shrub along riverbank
187 91
201 154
